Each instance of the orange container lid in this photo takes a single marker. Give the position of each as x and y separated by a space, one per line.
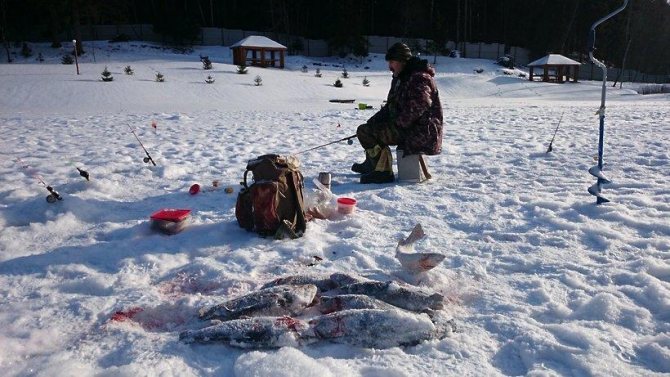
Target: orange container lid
167 214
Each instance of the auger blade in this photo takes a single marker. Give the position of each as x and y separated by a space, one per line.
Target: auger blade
596 172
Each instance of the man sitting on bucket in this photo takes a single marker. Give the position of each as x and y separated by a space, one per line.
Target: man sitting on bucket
410 119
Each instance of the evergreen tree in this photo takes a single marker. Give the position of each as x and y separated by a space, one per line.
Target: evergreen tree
366 82
345 74
159 77
241 69
106 75
26 51
258 80
318 72
67 59
338 83
128 70
209 79
206 63
304 69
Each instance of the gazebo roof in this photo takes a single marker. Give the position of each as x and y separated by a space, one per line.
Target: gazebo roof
259 42
553 59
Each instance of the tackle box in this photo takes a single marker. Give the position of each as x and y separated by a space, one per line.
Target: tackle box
170 221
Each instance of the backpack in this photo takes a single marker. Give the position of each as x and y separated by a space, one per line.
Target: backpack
273 204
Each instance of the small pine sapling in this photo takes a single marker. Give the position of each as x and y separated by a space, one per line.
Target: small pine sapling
258 80
304 69
67 59
345 74
210 79
159 77
338 83
366 82
318 72
26 51
242 69
40 58
206 63
128 70
106 75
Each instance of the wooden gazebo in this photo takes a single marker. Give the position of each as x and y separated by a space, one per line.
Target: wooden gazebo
259 51
556 68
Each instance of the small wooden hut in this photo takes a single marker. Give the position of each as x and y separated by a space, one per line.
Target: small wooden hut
556 68
259 51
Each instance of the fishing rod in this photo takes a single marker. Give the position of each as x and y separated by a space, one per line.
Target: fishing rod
348 139
81 171
53 194
596 171
148 157
550 148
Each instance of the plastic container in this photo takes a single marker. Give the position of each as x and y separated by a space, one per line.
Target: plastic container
346 205
170 221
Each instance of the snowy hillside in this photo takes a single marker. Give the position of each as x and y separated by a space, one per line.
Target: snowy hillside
538 279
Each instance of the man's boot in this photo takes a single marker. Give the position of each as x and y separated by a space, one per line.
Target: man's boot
371 159
383 172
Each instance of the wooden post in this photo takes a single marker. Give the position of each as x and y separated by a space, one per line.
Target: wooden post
76 62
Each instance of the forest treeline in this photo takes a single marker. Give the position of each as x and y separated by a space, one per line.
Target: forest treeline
639 37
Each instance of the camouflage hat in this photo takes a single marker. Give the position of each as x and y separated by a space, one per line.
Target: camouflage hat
399 52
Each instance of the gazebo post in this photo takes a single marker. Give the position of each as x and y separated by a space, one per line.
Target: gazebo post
531 74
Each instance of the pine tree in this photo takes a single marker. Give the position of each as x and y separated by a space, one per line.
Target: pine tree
26 51
318 72
366 82
241 69
106 75
209 79
128 70
258 80
67 59
345 74
40 58
304 69
338 83
159 77
206 63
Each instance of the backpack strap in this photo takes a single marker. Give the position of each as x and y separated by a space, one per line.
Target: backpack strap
300 223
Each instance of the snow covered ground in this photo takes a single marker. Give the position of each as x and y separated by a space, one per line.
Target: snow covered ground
539 279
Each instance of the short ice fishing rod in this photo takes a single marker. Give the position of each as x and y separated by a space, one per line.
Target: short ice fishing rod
53 194
596 171
348 139
148 157
550 148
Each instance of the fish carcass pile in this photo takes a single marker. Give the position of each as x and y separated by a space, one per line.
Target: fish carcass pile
298 310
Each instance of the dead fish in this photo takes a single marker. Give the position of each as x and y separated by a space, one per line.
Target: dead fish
257 332
323 283
374 328
445 324
416 262
341 279
415 235
275 301
408 298
338 303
